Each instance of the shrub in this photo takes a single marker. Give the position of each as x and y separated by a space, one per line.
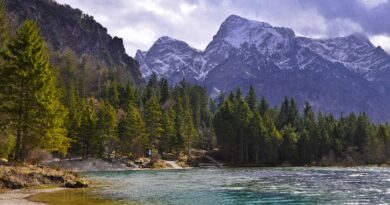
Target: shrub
38 155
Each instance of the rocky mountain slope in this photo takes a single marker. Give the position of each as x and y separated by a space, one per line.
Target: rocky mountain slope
338 75
65 27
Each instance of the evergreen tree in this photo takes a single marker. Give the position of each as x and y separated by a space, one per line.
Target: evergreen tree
258 139
106 130
168 136
363 131
164 90
31 97
74 119
152 87
153 117
263 106
188 127
307 134
132 133
274 140
179 141
88 131
224 127
6 139
293 113
128 96
221 98
289 113
251 99
242 115
283 113
384 139
288 148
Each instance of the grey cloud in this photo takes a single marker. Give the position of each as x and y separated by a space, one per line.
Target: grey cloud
141 22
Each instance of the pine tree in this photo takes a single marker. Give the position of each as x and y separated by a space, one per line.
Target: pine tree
224 127
289 113
164 90
189 130
242 115
6 140
293 113
179 141
31 96
221 98
153 116
263 106
384 138
307 134
275 139
132 133
88 132
258 139
283 114
106 129
74 119
288 148
363 131
168 136
152 87
128 96
251 99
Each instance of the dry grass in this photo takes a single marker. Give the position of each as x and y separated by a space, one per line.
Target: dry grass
16 177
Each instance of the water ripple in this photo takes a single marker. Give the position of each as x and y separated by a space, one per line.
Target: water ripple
249 186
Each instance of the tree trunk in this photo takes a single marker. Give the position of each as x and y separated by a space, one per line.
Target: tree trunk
18 148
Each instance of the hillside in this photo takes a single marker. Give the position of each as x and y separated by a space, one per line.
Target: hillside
64 27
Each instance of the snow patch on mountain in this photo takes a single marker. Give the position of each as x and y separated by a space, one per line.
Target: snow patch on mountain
278 45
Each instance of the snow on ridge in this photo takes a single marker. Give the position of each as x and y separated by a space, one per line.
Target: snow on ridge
278 45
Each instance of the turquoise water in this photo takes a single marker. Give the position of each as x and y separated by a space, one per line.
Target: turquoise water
248 186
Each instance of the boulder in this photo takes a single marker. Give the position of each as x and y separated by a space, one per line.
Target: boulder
76 184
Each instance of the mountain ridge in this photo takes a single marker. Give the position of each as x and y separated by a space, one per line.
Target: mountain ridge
246 52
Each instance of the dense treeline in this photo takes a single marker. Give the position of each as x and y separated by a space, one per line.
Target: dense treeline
123 120
52 101
250 132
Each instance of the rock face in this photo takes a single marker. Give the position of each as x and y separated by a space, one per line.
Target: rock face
339 75
65 27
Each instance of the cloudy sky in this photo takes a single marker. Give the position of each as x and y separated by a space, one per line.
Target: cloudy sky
141 22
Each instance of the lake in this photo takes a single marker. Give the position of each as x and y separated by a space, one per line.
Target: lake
366 185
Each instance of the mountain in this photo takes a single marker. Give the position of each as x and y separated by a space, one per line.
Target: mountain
338 75
64 27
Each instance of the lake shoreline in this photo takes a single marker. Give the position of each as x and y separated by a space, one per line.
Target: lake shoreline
20 196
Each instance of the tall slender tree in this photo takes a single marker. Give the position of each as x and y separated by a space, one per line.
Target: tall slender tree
132 133
153 117
30 96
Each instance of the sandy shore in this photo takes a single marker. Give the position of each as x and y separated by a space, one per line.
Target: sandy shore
18 197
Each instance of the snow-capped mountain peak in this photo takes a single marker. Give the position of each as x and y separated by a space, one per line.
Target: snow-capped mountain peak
237 31
347 72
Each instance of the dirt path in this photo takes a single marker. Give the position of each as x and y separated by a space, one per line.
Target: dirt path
173 165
